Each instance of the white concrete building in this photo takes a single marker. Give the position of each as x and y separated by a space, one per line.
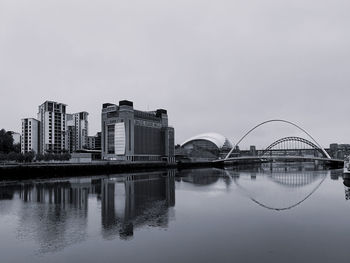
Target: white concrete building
52 117
30 135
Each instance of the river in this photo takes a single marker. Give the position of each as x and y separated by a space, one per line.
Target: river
279 213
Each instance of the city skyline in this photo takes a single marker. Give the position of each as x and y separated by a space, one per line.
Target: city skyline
245 144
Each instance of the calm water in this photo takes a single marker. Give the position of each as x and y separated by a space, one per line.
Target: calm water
268 214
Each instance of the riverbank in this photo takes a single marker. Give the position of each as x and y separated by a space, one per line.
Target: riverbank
52 170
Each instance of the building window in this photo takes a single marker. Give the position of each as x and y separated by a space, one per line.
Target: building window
129 135
110 139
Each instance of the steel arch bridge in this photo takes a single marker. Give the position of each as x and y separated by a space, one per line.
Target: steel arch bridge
311 142
277 120
294 143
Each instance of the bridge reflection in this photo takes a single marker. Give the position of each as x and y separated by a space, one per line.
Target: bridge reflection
287 177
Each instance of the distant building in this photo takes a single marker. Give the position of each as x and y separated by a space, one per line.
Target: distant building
133 135
94 142
339 151
77 131
52 117
30 138
16 137
252 150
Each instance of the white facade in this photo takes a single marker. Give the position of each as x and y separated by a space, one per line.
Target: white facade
30 135
120 140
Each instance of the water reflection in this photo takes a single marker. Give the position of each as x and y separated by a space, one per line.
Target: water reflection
296 178
52 213
201 176
346 183
55 213
135 201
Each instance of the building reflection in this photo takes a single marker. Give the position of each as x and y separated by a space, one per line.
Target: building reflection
54 214
346 183
62 193
201 176
139 200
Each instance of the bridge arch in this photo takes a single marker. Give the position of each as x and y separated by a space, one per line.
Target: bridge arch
322 178
293 139
278 120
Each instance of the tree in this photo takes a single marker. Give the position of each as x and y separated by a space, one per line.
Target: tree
29 156
17 148
40 157
6 141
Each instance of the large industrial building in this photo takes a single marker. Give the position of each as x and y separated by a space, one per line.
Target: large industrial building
133 135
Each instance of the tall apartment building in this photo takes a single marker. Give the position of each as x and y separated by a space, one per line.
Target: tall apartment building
30 135
52 117
94 142
77 131
133 135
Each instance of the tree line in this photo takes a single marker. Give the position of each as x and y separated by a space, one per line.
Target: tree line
12 152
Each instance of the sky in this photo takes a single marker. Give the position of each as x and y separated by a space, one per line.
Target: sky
216 66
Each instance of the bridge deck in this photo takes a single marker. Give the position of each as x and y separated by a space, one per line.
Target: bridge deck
277 157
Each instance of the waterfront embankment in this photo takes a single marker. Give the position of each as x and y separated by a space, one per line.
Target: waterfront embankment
52 170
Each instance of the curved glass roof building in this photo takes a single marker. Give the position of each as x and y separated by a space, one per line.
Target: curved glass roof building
207 146
219 140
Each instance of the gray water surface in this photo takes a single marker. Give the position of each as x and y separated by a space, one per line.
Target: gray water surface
266 214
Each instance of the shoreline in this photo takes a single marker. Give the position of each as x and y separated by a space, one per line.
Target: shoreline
54 170
25 171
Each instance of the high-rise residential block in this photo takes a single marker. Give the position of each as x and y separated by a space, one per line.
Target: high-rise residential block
94 142
30 138
52 117
133 135
77 131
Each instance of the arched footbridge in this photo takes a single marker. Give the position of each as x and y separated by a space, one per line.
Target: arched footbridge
288 149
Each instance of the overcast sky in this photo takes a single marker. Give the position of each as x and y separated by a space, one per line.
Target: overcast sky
221 66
